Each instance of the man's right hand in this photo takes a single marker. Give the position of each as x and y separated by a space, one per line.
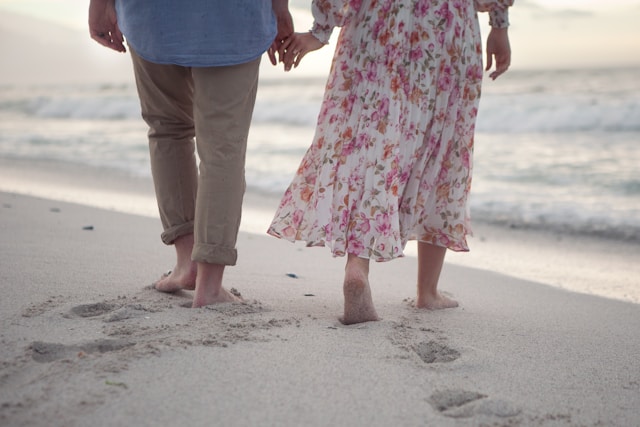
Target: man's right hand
285 29
103 25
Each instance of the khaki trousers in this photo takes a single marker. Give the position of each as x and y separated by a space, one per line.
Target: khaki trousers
214 105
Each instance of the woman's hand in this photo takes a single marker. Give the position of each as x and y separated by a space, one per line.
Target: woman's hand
498 47
297 46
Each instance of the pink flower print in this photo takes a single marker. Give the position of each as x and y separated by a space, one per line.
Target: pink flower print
382 115
404 177
377 28
288 232
347 103
386 6
384 37
391 182
422 8
444 82
287 198
474 72
395 84
383 225
445 14
354 245
355 181
414 38
328 231
306 192
362 140
415 54
365 226
391 54
297 217
344 218
372 72
388 150
383 107
355 4
466 158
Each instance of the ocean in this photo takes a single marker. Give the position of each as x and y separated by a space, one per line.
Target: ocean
554 150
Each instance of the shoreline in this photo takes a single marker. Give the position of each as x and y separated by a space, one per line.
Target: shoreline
582 264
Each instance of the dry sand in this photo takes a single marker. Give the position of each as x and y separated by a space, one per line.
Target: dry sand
84 341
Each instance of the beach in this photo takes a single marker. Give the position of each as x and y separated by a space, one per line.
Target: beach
85 341
548 328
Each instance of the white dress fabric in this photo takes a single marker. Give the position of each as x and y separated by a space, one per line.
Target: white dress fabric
391 159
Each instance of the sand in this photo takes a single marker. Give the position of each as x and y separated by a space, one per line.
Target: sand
85 341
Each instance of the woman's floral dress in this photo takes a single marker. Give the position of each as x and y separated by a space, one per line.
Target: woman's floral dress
391 158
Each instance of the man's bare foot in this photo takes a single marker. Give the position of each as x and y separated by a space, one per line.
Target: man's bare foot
184 274
177 280
209 288
221 296
358 303
437 302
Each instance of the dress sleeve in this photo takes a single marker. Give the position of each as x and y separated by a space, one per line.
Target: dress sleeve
498 11
328 14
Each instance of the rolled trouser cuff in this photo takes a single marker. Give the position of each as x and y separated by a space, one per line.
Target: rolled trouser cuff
170 235
214 254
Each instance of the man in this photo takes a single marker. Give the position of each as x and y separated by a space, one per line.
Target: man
196 69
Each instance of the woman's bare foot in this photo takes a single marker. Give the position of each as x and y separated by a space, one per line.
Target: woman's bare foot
435 302
430 261
358 303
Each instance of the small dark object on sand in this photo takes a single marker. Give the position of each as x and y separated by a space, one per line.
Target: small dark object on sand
88 227
292 275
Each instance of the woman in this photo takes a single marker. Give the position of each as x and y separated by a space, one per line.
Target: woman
391 159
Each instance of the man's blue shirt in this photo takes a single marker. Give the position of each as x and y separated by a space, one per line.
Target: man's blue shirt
197 33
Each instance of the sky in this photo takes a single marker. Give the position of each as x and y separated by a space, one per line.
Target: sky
546 34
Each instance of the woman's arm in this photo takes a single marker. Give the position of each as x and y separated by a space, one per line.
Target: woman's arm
328 14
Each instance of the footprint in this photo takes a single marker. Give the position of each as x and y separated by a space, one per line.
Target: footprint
447 399
48 352
456 403
93 310
126 312
435 352
37 309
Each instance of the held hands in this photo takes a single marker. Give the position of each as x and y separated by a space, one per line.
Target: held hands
285 30
103 25
296 46
498 47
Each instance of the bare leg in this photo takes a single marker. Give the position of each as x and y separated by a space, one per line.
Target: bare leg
183 276
358 303
209 288
430 260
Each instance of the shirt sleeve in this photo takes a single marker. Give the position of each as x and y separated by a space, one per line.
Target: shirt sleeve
328 14
498 11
